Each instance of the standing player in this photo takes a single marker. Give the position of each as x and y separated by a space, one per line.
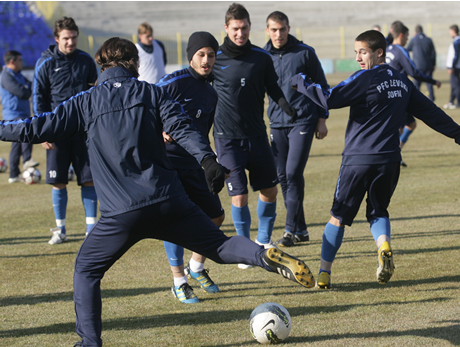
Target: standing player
379 97
243 72
192 89
424 56
291 141
398 58
152 55
16 91
61 72
140 193
453 66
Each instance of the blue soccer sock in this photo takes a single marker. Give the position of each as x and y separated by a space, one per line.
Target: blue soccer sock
175 253
59 197
266 211
380 226
242 220
405 135
89 199
332 240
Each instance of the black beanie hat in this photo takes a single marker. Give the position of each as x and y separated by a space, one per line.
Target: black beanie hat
200 39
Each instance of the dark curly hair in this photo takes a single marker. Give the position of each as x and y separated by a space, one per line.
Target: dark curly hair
117 51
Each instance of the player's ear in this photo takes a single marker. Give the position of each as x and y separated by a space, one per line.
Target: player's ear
379 52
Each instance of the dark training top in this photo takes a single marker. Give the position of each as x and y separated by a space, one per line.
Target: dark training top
198 99
293 58
241 83
58 76
398 58
379 99
124 119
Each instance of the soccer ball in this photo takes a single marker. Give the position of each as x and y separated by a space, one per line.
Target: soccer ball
3 165
71 173
31 176
270 323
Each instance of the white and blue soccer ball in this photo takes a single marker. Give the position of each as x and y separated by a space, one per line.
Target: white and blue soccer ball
270 323
32 175
3 165
71 173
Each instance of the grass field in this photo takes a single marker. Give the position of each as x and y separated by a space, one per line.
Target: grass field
420 306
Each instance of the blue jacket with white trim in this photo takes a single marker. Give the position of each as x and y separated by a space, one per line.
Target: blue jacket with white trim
379 99
124 119
58 76
198 99
293 58
16 91
398 58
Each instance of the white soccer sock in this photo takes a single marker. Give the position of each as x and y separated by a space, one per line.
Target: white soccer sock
178 281
196 266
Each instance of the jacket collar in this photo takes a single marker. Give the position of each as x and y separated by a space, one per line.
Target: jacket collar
114 72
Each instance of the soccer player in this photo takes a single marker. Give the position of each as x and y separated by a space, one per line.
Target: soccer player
243 72
192 89
453 66
16 91
398 58
140 193
152 55
379 97
291 141
63 71
424 56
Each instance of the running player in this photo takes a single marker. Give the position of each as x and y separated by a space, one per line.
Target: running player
379 97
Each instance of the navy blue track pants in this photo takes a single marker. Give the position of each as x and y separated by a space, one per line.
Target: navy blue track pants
18 149
291 148
176 220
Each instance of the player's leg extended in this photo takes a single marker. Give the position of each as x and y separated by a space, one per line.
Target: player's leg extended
332 240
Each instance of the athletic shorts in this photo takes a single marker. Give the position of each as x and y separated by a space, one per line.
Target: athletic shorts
377 180
195 185
71 150
254 155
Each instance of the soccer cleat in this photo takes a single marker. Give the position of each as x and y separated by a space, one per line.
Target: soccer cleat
386 265
302 236
244 266
324 281
286 265
450 106
57 237
268 245
287 240
403 164
202 277
16 179
185 294
30 163
79 344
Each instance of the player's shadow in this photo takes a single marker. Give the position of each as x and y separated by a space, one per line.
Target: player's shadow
21 256
68 296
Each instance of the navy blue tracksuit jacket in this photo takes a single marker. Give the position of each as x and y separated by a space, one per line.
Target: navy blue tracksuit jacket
379 99
127 174
423 52
58 76
293 58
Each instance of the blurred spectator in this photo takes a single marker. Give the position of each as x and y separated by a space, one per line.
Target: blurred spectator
453 66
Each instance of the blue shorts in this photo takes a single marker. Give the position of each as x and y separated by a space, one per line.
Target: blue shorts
197 190
71 150
377 180
254 155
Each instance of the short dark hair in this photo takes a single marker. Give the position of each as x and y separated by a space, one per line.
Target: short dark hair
278 17
454 28
374 40
118 52
236 11
65 23
11 55
419 29
399 28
